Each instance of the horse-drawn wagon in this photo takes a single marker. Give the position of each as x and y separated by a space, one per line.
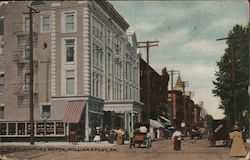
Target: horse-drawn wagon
140 135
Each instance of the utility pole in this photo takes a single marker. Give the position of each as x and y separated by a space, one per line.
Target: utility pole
232 81
184 85
30 13
147 45
172 94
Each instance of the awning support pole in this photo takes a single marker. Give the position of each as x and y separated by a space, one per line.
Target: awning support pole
87 122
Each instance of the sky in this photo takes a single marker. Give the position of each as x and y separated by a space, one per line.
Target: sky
187 33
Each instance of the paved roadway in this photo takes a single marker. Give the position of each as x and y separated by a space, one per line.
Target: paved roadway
161 150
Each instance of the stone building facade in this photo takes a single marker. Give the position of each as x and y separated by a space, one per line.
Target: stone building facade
85 64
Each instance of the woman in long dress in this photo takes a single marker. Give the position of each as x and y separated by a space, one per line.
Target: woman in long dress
176 137
237 149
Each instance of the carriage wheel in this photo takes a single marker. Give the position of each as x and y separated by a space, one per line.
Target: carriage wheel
147 143
131 143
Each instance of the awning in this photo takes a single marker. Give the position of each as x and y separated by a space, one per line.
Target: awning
165 119
155 124
73 112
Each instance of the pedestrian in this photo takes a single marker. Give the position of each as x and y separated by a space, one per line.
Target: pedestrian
177 137
237 149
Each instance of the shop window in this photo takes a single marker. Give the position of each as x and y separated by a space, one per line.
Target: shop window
21 129
40 128
12 128
1 26
59 128
3 128
50 128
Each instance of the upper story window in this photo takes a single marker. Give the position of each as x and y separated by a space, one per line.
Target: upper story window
109 38
1 26
70 82
69 21
97 56
109 63
26 84
1 53
26 23
1 111
45 23
1 82
26 53
70 50
97 28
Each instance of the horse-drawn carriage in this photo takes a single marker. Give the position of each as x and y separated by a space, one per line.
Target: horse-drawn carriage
219 131
140 135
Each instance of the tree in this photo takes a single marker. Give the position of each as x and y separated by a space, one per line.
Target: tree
234 62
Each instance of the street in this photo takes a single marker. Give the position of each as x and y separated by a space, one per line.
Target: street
163 149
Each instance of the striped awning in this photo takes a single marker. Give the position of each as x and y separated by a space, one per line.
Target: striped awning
74 111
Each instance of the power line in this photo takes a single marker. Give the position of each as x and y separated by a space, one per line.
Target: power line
147 45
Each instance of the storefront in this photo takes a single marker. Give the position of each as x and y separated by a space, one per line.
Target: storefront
124 114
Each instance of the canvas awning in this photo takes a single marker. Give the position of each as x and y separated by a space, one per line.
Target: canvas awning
73 112
155 124
165 119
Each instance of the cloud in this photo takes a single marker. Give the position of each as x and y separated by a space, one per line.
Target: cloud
227 23
144 26
203 47
172 37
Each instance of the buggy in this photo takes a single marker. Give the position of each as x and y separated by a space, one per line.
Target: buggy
219 131
140 135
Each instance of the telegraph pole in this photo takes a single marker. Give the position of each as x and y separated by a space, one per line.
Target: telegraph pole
184 85
30 13
147 45
172 94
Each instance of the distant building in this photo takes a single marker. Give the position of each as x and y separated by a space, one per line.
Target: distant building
158 91
85 65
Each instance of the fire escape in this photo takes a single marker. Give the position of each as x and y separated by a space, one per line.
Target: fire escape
22 59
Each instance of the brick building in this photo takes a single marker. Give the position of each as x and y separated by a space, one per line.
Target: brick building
83 55
158 91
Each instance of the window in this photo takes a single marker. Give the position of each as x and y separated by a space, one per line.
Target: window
93 82
26 82
109 89
69 22
26 53
45 23
97 56
1 82
1 53
109 38
109 63
26 24
70 50
1 111
46 111
97 28
97 85
1 26
70 82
